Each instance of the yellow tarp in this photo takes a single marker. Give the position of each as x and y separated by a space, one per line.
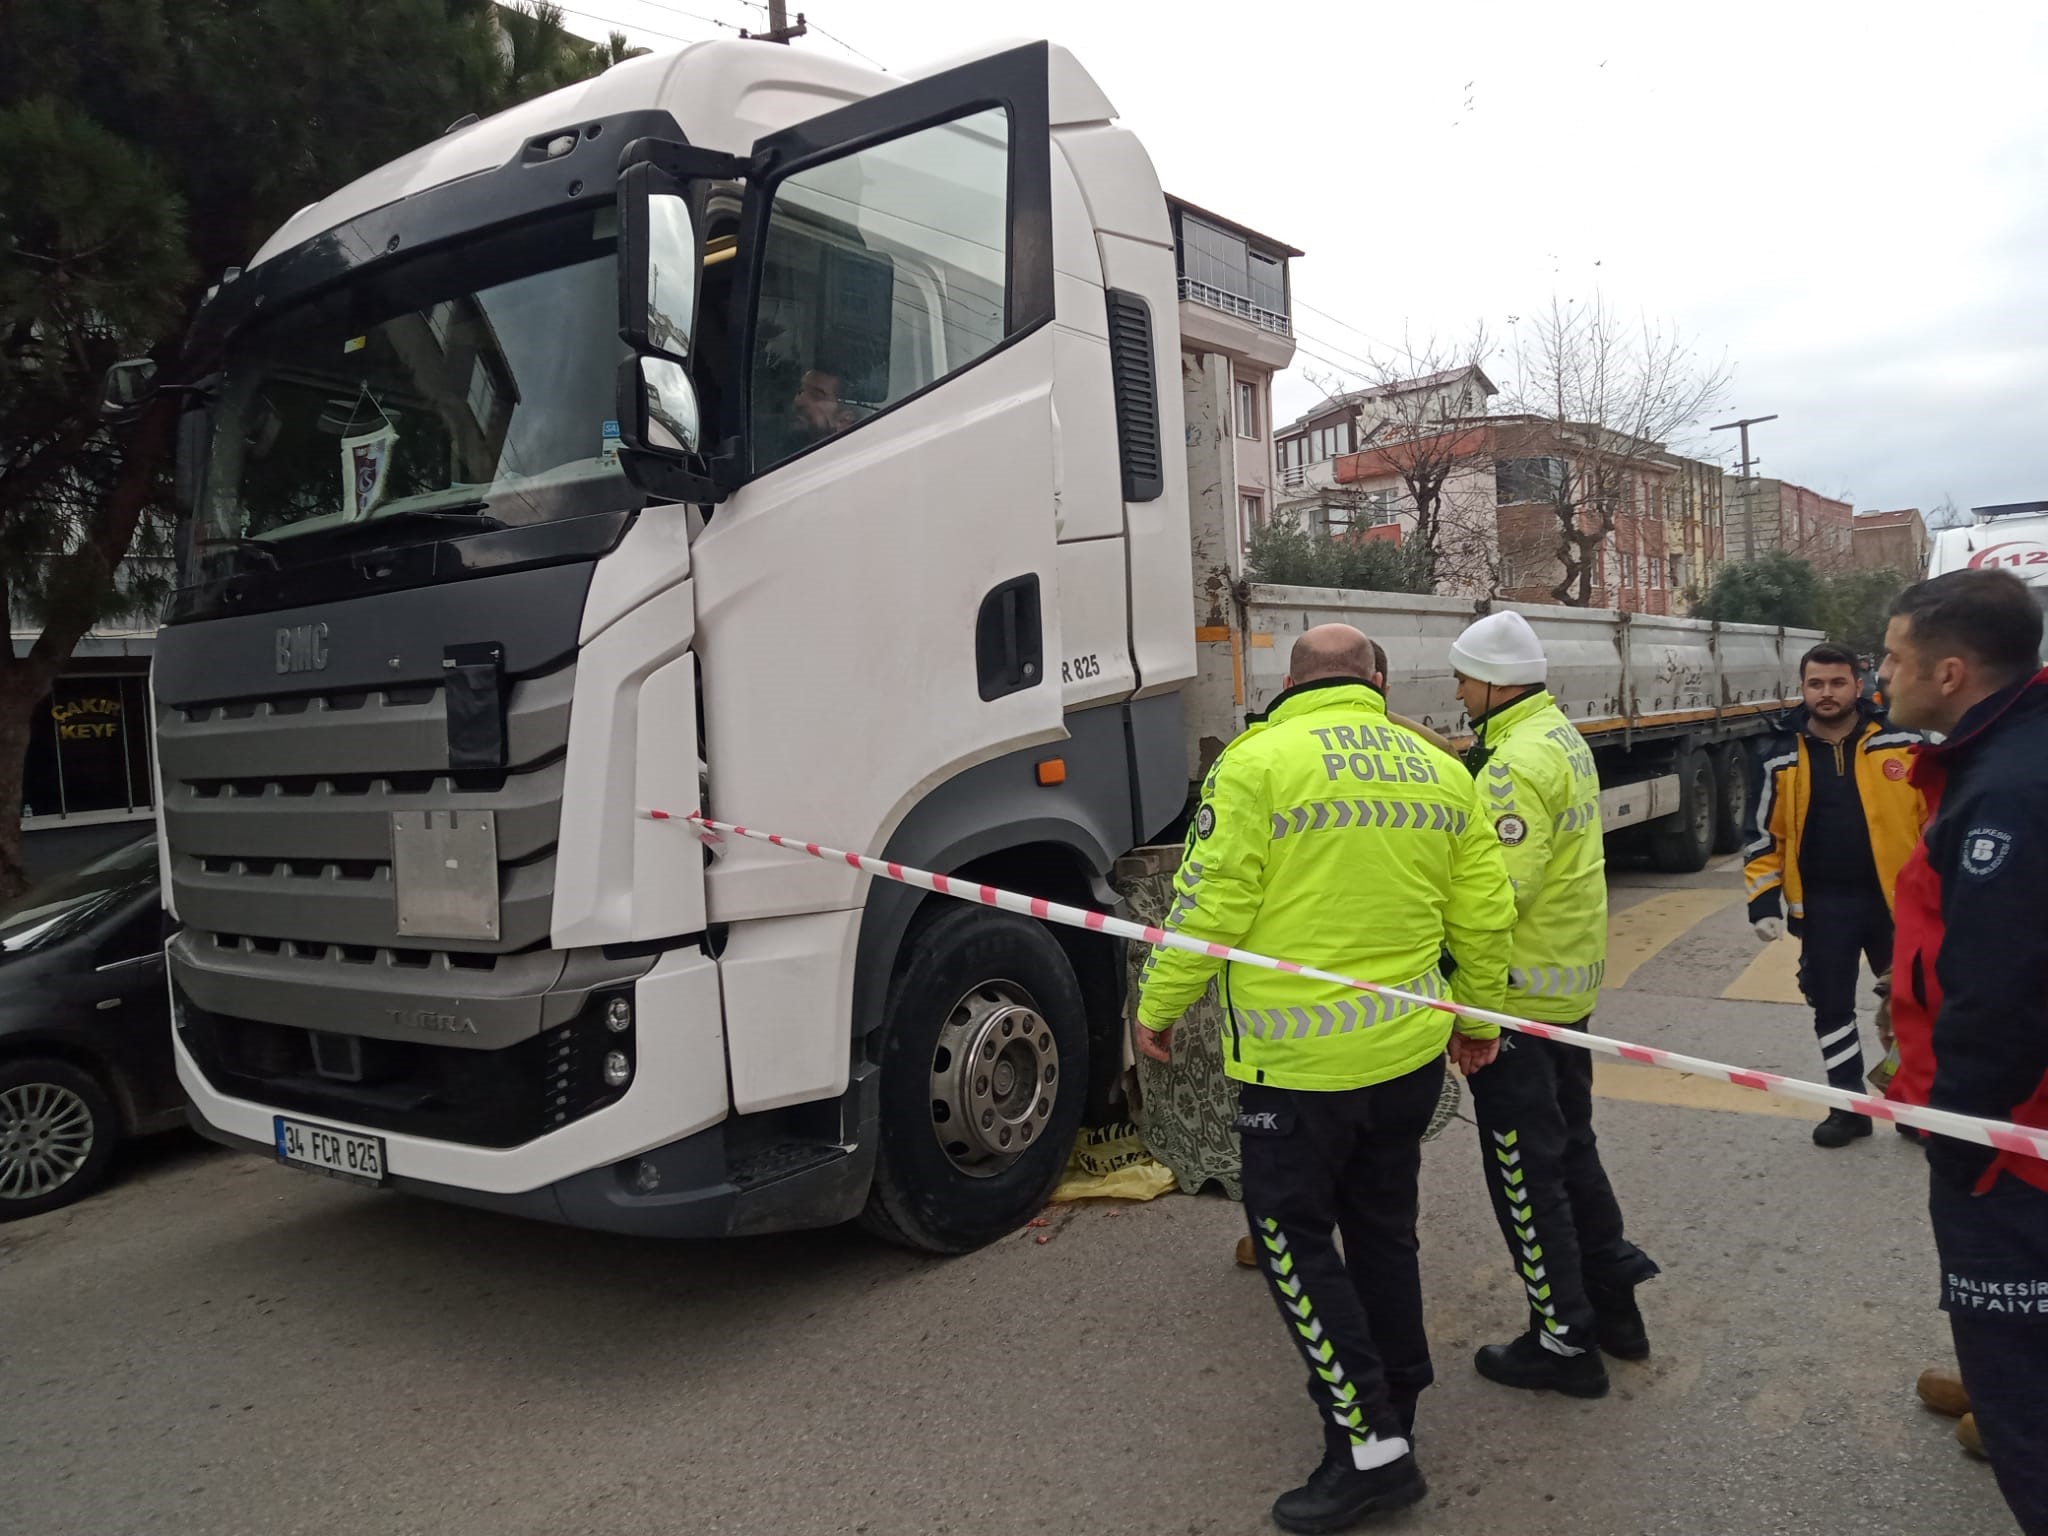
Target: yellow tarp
1111 1163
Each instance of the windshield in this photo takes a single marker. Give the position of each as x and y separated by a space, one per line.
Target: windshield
475 383
53 911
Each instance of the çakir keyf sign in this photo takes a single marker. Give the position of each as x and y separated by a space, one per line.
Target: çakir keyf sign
96 719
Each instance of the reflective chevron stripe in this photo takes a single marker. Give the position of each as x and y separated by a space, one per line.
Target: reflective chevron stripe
1335 815
1535 1274
1321 1353
1338 1016
1556 980
1573 817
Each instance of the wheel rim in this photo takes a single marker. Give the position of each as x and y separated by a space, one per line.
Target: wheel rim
46 1134
994 1079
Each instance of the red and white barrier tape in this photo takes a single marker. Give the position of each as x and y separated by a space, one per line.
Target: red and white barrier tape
2006 1137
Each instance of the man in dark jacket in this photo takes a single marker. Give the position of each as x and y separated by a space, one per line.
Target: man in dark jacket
1970 986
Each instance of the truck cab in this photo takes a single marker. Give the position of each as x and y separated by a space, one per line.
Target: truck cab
739 430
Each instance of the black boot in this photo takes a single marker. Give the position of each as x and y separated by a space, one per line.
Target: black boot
1527 1364
1337 1495
1622 1333
1840 1128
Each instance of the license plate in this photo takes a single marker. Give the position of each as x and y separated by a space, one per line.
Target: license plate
338 1154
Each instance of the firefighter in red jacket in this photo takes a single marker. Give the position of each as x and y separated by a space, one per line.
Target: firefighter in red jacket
1970 986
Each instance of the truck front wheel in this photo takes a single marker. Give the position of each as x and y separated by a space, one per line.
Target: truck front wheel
984 1074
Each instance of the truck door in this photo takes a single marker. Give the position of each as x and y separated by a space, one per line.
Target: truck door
877 599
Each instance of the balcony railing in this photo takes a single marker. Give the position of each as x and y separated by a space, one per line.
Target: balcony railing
1231 304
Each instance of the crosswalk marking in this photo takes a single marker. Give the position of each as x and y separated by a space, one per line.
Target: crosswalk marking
1772 977
1637 933
1654 1085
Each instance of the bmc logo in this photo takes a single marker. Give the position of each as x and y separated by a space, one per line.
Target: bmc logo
302 648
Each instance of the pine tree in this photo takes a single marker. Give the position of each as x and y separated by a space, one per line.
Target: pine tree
145 147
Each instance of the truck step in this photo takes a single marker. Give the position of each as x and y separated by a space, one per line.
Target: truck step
767 1162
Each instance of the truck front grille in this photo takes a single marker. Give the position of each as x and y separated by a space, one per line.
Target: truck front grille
278 812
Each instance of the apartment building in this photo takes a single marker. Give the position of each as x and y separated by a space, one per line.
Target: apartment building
1237 332
1764 514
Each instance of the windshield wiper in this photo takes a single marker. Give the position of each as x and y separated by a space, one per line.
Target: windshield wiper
470 515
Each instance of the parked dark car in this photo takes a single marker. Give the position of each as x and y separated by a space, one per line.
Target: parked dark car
85 1031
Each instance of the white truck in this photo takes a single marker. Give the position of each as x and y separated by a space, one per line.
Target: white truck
746 430
2012 537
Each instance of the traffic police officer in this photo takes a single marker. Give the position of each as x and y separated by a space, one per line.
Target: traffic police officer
1329 837
1540 796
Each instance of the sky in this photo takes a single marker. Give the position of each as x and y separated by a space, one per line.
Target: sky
1848 206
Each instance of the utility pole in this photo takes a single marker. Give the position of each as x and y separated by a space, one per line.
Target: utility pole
1748 480
779 29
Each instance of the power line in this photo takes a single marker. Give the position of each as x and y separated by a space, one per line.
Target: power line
842 42
621 26
1340 320
692 15
1325 341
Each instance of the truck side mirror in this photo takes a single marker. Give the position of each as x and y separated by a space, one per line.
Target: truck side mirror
661 258
128 386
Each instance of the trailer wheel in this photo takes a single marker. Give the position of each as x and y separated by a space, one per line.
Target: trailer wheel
984 1076
1731 796
1682 842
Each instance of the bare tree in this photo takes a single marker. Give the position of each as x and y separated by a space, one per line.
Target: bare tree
1946 514
1596 398
1423 423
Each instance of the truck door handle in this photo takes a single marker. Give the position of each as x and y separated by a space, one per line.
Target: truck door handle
1009 639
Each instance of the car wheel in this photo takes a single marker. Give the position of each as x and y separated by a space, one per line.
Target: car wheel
57 1134
984 1076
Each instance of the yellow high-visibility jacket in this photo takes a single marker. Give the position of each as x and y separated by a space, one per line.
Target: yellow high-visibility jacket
1330 837
1892 809
1541 792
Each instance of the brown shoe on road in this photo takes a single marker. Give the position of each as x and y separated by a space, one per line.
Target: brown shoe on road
1249 1259
1943 1392
1966 1435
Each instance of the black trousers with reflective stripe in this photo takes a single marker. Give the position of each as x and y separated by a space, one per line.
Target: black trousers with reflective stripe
1838 929
1320 1163
1551 1196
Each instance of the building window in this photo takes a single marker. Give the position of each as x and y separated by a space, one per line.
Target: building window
1247 408
88 750
1328 442
1248 282
1519 481
1656 571
1249 508
1677 571
1268 282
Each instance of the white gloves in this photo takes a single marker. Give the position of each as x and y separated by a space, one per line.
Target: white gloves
1769 929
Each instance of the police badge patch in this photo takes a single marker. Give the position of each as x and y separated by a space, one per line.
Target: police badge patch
1984 850
1205 820
1511 829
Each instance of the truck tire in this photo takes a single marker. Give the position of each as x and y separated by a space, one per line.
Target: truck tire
1731 796
984 1077
1682 842
57 1134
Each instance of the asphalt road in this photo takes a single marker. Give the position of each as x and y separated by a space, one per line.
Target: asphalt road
216 1345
